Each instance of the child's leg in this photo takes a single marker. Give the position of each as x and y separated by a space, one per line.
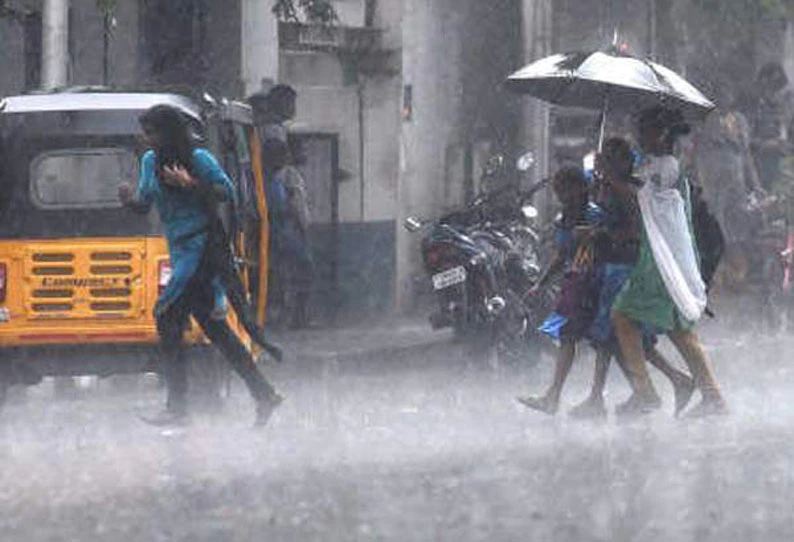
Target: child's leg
593 406
603 358
550 401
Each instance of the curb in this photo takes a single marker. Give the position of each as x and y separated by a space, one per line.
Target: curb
353 353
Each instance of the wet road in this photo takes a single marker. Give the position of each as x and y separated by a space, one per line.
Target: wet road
426 449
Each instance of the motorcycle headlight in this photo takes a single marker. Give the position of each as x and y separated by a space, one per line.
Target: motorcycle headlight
477 259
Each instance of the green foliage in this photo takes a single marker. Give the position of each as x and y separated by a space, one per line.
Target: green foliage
314 11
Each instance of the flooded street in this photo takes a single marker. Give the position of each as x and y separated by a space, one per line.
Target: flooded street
429 448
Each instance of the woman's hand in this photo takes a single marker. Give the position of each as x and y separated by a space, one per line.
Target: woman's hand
178 177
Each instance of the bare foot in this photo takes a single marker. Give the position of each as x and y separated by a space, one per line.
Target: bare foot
683 390
543 404
592 408
709 407
637 405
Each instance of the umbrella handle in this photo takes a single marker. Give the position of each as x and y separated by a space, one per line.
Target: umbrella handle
603 122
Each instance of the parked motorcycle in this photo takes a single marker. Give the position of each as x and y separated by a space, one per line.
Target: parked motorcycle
483 260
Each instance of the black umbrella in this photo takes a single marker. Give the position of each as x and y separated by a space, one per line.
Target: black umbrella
608 80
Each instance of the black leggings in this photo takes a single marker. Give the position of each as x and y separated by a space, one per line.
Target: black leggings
198 301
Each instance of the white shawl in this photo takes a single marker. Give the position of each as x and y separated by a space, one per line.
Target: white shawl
669 235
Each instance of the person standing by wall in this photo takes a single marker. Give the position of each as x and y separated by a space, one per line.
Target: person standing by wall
727 174
289 218
768 111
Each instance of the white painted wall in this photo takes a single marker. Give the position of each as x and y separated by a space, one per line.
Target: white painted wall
327 105
431 54
409 167
12 57
259 44
788 51
350 12
334 110
536 26
55 44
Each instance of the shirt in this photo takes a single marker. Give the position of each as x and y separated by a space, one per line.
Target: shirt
184 216
181 210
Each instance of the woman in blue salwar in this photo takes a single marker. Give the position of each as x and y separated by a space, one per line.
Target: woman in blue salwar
180 181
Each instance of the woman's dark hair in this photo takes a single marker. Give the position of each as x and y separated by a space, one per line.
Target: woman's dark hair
570 176
174 143
282 92
773 74
671 120
619 147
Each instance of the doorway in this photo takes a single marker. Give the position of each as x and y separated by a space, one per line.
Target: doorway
317 158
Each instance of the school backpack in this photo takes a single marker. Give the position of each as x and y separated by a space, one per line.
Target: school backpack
709 237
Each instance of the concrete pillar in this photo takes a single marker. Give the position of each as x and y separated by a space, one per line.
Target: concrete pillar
55 44
788 51
536 34
259 44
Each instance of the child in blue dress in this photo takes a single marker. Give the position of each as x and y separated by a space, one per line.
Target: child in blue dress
577 301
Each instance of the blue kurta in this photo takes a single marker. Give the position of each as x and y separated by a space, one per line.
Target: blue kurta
184 217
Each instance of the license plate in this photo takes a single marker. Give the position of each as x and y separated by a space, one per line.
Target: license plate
450 277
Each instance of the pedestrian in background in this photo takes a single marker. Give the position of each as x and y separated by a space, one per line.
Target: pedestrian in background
273 111
768 109
289 225
727 174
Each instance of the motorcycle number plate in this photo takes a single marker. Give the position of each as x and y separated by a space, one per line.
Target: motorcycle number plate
450 277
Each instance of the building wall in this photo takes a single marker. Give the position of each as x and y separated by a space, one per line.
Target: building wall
12 49
85 43
259 50
361 107
222 60
452 53
456 53
536 42
12 59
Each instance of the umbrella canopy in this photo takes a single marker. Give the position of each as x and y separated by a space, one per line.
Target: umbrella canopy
607 80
